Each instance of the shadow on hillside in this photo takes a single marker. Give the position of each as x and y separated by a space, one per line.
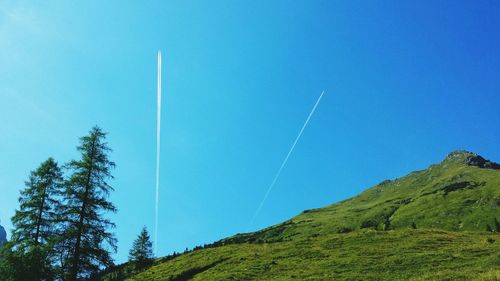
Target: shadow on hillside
189 274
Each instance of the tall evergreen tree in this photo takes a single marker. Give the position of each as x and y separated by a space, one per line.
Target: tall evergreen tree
35 222
86 241
142 250
12 265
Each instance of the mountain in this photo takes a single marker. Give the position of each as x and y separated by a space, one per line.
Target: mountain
441 223
3 235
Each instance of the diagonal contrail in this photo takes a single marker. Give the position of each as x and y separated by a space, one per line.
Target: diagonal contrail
285 160
158 127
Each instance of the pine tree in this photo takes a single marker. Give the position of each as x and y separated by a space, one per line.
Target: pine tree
35 222
86 242
12 265
142 250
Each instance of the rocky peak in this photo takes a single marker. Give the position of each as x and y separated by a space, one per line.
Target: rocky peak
471 159
3 235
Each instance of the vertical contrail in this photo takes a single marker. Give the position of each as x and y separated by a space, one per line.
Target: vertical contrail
158 127
285 160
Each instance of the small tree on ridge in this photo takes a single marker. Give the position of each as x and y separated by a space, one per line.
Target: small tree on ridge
142 250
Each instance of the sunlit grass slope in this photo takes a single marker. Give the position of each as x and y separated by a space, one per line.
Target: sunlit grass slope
360 255
440 223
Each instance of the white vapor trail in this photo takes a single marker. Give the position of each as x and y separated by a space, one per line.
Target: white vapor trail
285 160
158 127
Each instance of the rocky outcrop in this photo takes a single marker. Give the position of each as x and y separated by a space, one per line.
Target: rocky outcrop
471 159
3 235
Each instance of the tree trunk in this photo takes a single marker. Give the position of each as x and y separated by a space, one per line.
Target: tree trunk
40 212
76 257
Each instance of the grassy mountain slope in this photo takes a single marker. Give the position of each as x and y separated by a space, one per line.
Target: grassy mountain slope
360 255
440 223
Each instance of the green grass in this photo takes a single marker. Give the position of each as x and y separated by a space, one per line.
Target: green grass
360 255
429 225
423 199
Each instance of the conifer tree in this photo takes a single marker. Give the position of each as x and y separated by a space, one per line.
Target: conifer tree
35 222
142 250
86 242
13 266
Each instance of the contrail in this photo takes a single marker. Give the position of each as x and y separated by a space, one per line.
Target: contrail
286 160
158 127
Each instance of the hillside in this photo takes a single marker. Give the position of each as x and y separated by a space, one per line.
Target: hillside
440 223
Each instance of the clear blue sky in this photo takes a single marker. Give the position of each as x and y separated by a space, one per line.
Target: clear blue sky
405 84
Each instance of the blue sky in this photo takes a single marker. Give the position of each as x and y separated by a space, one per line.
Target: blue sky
405 84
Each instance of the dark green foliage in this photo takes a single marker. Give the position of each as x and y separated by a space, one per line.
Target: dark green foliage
60 232
86 243
488 228
141 253
35 224
495 227
344 230
14 266
369 223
